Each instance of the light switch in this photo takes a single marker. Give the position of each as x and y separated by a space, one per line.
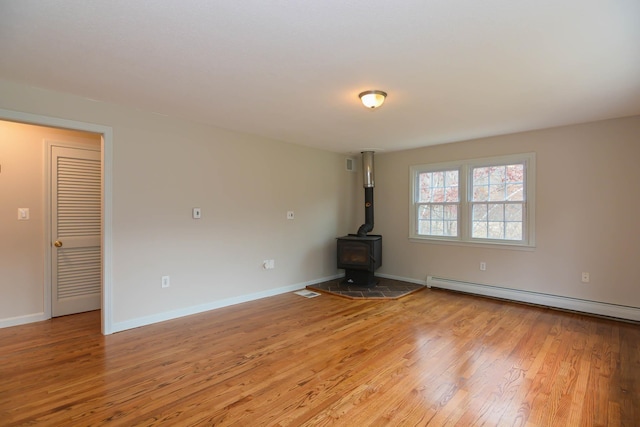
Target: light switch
197 213
23 214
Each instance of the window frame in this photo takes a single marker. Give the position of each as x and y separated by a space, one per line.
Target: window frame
465 188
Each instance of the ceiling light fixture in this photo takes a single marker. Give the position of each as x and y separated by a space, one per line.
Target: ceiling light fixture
372 99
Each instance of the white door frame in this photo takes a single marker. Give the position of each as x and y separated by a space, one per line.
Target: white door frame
107 174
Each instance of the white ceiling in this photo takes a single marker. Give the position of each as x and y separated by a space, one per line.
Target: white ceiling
292 70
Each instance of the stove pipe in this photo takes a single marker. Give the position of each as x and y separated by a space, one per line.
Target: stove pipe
367 169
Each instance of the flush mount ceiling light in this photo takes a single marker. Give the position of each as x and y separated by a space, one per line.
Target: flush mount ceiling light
372 99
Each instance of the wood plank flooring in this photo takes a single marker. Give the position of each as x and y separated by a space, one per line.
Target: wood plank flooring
434 358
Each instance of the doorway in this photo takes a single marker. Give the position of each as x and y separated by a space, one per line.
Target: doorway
104 135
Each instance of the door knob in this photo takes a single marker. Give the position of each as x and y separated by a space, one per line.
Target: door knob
57 244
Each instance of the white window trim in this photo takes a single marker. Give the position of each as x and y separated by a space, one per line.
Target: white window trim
464 220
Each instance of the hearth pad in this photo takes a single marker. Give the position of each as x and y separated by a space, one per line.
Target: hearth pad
384 289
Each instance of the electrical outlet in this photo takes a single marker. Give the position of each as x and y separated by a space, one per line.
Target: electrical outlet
290 215
268 264
166 281
483 266
585 277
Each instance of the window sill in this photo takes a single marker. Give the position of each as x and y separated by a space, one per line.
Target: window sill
488 245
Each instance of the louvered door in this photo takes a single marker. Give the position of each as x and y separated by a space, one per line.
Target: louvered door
76 230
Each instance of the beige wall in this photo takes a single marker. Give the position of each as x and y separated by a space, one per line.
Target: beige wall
587 212
587 180
163 167
22 185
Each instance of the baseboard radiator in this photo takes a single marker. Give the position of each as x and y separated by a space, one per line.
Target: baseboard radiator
566 303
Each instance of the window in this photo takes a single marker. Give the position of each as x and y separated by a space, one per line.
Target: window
497 202
481 200
438 203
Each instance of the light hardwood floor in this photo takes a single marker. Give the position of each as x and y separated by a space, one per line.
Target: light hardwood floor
433 358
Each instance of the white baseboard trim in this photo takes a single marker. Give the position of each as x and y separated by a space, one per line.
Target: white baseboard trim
22 320
566 303
201 308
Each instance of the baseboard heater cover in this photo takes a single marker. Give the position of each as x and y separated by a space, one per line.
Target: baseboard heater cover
567 303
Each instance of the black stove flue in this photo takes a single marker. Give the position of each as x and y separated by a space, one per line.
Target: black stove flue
360 255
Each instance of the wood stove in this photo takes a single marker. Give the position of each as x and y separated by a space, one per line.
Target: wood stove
360 257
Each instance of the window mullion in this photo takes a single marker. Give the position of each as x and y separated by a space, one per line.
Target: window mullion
464 222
